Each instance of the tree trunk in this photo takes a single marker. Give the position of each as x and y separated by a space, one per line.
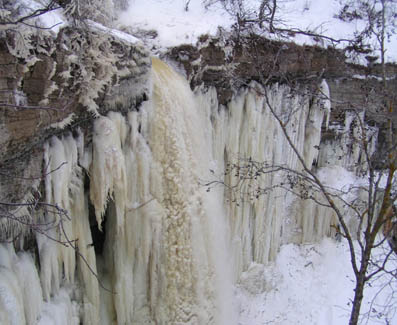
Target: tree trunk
358 298
360 282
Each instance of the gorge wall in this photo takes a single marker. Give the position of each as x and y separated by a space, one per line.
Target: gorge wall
119 148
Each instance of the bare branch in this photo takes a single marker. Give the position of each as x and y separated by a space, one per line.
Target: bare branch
51 6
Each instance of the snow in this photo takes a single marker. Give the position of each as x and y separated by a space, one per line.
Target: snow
175 25
314 286
363 77
337 177
114 32
318 16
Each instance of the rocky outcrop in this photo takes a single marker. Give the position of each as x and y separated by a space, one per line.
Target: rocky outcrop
61 84
229 63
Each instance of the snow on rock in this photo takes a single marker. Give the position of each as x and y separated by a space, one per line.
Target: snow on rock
175 25
113 32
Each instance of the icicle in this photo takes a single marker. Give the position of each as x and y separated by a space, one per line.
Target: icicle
62 178
247 130
65 188
49 264
20 291
326 101
84 243
29 281
314 123
63 156
120 124
108 175
11 294
48 249
85 156
47 173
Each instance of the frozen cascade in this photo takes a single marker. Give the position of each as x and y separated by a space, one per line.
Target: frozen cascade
164 256
164 250
246 129
348 152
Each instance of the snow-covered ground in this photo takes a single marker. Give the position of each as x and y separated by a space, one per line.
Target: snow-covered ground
172 22
312 285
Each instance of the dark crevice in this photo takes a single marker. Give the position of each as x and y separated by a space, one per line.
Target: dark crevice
98 236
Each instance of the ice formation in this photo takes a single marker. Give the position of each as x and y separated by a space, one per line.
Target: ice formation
348 152
20 290
142 241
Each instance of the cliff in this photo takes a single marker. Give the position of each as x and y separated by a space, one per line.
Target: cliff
62 84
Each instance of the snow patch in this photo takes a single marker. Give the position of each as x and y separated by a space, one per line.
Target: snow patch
114 32
314 287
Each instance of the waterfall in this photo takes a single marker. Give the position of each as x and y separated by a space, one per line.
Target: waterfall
152 246
162 255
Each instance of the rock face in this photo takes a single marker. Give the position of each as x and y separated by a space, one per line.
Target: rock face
229 63
61 84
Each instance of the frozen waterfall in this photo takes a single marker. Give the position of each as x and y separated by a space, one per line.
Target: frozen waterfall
164 249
